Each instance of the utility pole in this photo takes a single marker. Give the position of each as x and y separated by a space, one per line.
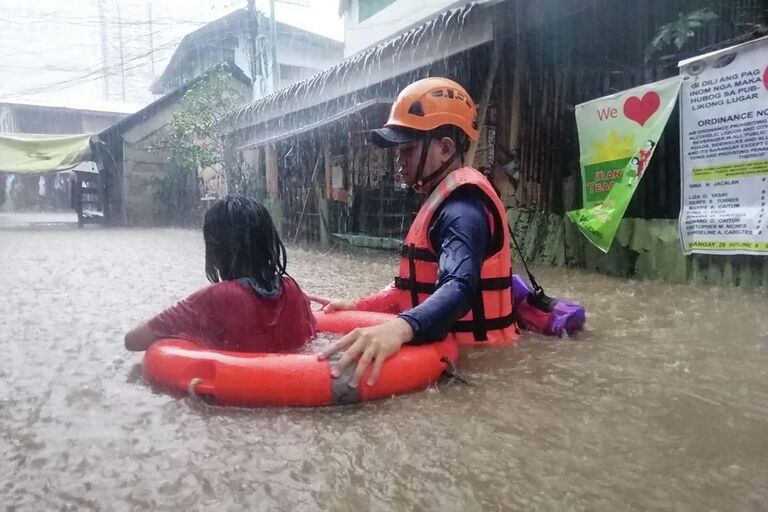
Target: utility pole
253 33
275 65
151 40
104 67
122 57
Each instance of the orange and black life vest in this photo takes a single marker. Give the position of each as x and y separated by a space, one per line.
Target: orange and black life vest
490 320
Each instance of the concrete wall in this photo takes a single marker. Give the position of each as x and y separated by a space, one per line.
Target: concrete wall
306 55
297 51
303 58
143 164
141 168
643 249
147 171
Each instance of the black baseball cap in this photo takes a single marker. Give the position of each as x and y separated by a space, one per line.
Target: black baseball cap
391 136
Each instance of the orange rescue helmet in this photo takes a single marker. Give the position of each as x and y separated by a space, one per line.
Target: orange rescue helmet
425 105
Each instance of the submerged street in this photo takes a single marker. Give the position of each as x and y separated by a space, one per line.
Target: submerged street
660 405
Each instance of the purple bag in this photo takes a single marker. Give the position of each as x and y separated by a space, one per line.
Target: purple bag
552 317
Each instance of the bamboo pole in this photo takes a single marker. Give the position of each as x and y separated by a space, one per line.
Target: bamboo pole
484 100
515 121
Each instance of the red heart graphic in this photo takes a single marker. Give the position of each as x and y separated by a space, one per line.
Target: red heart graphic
765 78
640 110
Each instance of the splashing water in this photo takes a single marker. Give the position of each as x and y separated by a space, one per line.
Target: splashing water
660 405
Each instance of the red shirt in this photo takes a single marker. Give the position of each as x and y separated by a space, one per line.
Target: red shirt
232 316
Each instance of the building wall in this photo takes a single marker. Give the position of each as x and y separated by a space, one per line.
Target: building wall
304 53
153 190
307 55
301 58
144 170
145 165
298 60
392 18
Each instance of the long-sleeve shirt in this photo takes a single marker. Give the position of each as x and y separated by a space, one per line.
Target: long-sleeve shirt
460 235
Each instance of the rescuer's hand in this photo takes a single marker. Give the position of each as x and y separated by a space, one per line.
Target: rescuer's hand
369 345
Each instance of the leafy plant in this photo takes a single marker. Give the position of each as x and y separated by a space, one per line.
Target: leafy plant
199 133
678 32
198 138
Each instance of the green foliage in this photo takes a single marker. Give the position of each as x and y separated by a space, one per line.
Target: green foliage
680 31
198 138
198 132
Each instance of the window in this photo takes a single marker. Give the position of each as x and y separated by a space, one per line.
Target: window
367 8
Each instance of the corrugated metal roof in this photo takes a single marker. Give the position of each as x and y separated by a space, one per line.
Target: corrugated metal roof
282 132
127 122
451 32
86 105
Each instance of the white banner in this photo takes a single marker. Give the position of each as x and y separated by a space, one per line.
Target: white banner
724 151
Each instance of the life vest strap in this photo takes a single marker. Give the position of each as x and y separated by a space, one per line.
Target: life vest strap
495 284
417 253
487 324
478 317
412 283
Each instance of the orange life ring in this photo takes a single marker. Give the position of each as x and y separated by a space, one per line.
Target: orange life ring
237 378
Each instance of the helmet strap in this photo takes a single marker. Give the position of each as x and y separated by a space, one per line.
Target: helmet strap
425 142
420 182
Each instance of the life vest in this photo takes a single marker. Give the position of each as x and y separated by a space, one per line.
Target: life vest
491 318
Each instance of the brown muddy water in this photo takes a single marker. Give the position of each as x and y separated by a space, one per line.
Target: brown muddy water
661 405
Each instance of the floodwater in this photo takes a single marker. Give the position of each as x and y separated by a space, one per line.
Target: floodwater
661 405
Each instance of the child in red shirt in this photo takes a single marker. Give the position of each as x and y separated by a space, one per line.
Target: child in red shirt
253 305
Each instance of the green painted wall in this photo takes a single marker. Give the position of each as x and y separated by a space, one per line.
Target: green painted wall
643 248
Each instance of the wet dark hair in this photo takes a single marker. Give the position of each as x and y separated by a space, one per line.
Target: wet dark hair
241 242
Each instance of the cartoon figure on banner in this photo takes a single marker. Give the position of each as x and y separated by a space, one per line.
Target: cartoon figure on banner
645 156
639 162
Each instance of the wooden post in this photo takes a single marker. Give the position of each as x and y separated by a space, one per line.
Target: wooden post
323 207
323 200
484 99
273 189
328 169
515 116
260 177
272 201
77 198
306 197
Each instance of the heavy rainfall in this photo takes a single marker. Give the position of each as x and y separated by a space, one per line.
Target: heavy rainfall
224 287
